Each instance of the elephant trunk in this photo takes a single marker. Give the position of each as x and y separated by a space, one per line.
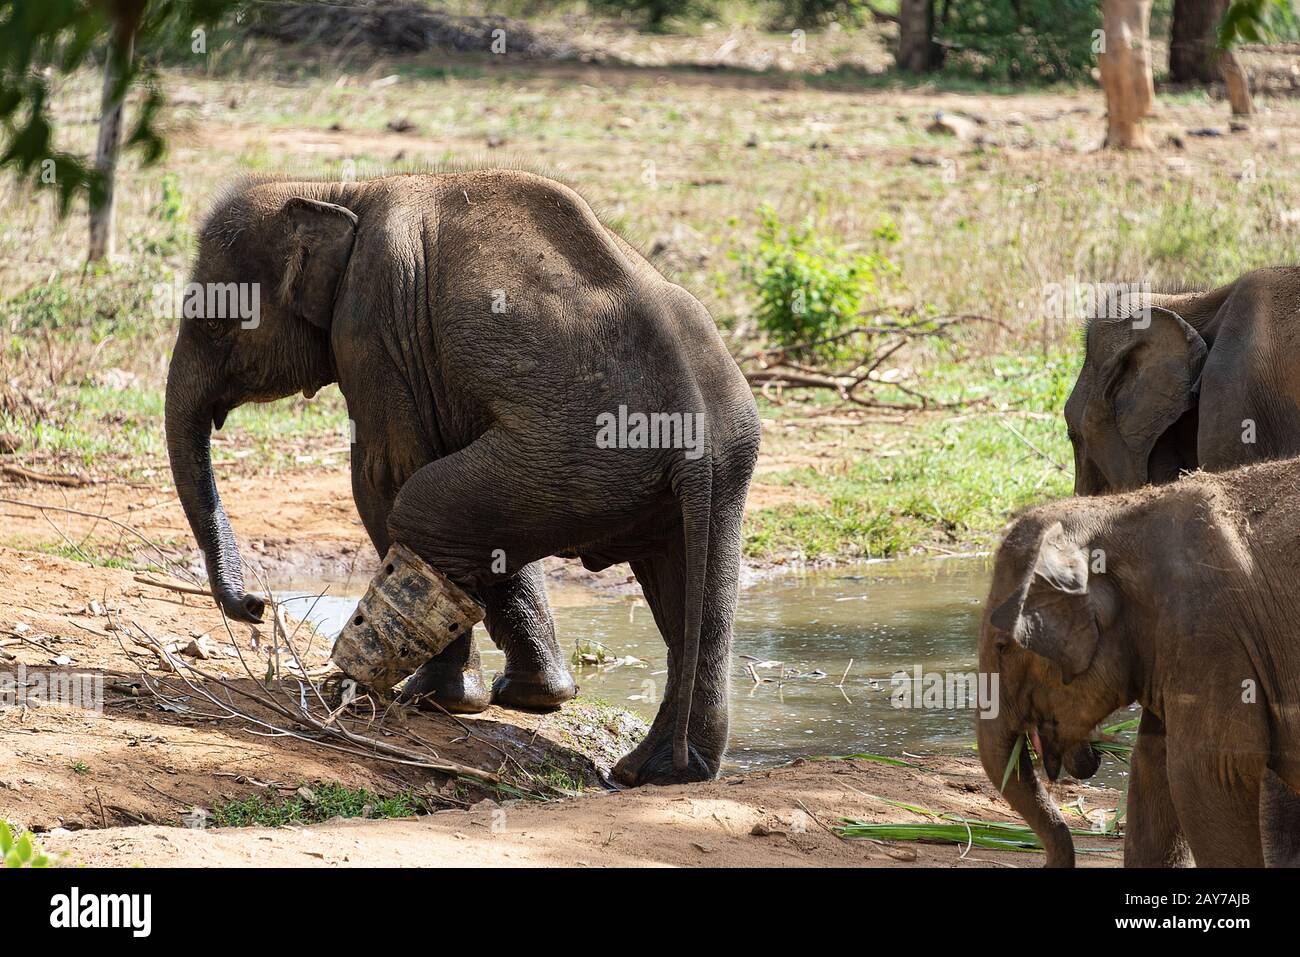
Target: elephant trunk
1023 791
190 416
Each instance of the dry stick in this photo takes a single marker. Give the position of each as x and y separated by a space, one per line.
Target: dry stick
102 504
386 752
379 750
182 589
818 821
1032 447
75 511
68 481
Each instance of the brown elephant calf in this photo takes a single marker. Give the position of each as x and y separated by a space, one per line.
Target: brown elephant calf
1185 599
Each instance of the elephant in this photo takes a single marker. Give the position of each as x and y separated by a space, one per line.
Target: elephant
486 331
1188 380
1183 599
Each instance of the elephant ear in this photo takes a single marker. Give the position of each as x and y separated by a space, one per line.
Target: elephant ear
1154 378
320 246
1052 613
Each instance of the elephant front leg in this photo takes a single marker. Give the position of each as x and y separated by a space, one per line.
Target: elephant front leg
1152 837
520 623
453 679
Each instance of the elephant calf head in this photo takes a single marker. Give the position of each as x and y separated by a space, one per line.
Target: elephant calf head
280 256
1132 415
1047 636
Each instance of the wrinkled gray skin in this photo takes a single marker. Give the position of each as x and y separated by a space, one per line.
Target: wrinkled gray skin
475 427
1195 615
1151 403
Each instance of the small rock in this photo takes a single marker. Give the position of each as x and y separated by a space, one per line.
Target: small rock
402 125
901 853
495 142
307 794
950 124
200 648
1205 131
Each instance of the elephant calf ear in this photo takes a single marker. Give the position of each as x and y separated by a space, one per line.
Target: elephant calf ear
319 248
1152 380
1052 614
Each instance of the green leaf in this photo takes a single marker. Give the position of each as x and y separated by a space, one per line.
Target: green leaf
1013 762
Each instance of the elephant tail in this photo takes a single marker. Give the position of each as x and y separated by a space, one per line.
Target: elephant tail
694 488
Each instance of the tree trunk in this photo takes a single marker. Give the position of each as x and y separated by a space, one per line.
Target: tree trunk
1194 41
917 51
112 103
1234 77
1125 62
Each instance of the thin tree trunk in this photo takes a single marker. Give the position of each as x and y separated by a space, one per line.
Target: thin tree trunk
112 103
1194 41
1125 63
1234 77
917 51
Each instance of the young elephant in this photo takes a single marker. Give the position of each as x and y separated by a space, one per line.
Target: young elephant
1185 599
1203 379
521 383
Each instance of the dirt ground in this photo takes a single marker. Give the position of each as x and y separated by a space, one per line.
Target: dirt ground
776 818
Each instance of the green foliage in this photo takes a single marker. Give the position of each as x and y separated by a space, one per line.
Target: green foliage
20 851
655 14
809 287
1257 21
949 479
40 37
326 801
1022 40
810 13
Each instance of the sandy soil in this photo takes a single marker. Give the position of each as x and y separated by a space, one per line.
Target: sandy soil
776 818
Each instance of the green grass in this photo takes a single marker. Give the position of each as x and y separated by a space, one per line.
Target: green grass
270 809
949 478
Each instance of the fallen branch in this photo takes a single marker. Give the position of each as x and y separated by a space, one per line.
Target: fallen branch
858 382
68 481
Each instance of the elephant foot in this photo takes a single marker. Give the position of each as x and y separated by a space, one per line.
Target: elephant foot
438 686
533 690
654 765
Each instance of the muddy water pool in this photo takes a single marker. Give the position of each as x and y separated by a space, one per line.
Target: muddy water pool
796 636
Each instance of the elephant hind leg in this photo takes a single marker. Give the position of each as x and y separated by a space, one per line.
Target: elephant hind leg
663 579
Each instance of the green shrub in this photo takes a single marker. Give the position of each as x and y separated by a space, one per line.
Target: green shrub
811 13
655 14
810 288
312 805
20 851
1037 40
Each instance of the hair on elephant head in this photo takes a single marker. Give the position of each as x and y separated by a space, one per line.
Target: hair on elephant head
281 260
1132 415
1045 637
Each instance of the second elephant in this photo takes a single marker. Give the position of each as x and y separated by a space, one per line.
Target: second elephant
1185 599
1195 380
